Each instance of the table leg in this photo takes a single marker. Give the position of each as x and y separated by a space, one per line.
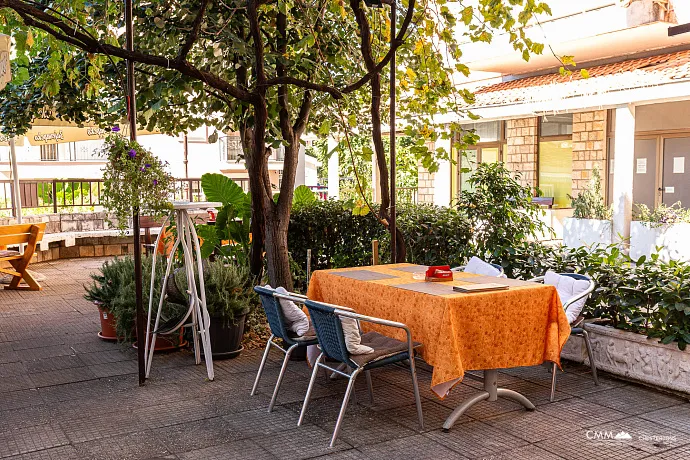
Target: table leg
491 393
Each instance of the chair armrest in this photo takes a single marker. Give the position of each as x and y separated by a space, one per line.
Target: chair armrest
537 279
297 298
581 295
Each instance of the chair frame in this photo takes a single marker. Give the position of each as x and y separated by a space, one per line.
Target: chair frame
355 369
281 334
577 327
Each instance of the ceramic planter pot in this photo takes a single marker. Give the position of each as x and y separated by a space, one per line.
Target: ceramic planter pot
108 331
167 342
226 336
586 232
671 238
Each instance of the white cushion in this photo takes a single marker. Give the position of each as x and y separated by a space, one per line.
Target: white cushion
295 319
568 288
479 267
353 338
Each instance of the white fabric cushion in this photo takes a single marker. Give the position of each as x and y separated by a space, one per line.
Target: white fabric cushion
353 338
295 319
479 267
568 288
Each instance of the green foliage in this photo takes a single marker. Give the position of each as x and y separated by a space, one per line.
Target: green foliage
500 209
589 203
229 289
662 214
134 178
230 236
303 196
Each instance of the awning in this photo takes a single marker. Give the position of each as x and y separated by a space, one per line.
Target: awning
49 132
5 74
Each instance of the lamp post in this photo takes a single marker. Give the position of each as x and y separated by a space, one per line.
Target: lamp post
132 116
391 124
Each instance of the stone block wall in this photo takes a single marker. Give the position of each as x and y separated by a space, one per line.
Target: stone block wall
425 185
66 222
522 137
589 148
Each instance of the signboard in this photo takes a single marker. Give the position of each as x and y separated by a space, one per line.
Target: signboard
48 135
5 74
5 141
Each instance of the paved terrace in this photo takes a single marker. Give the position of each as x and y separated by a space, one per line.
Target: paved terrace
65 394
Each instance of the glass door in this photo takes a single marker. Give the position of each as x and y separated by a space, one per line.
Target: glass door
644 172
676 178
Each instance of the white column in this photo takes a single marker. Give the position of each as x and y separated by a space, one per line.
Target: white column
623 166
442 177
333 170
300 178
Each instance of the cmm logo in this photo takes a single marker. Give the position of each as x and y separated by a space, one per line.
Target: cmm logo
607 436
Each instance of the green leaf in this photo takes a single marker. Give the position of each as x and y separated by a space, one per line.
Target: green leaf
218 187
303 196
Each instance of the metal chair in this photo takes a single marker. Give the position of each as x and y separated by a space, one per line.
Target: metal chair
276 320
576 327
326 321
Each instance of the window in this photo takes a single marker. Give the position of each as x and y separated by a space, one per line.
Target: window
556 158
487 150
49 152
233 148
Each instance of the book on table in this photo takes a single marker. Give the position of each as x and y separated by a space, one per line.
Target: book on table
480 287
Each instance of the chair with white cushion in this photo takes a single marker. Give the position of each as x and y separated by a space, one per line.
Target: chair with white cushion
573 290
478 267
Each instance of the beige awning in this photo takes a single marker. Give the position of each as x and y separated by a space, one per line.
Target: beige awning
5 74
46 132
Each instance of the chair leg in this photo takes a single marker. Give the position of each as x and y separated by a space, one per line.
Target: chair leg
343 408
370 386
588 344
417 398
261 366
280 377
314 372
554 370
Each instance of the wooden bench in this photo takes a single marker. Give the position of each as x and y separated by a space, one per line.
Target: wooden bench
29 234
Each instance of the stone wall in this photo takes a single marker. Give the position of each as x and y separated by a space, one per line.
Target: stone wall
522 137
425 185
589 148
66 222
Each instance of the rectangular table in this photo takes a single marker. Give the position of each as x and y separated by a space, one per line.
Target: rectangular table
524 325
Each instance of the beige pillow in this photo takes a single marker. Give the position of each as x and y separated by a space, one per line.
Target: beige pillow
353 338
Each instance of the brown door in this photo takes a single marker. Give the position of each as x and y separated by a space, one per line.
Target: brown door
676 174
644 172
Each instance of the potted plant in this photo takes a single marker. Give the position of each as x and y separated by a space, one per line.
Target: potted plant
229 298
101 292
134 179
664 230
591 221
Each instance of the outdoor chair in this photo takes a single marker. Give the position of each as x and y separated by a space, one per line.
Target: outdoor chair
573 304
276 320
326 320
478 267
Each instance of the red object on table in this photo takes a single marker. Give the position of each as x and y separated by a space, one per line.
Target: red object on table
441 272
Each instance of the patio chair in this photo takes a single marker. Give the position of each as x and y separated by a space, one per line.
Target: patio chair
279 330
475 266
571 302
329 331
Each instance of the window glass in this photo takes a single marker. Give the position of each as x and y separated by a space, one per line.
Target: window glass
469 160
555 171
490 155
487 132
556 125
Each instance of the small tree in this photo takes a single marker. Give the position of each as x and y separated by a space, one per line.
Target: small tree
589 203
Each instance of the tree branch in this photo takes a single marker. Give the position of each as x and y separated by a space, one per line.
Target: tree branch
285 80
194 34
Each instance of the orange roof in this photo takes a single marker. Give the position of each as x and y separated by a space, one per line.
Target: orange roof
634 73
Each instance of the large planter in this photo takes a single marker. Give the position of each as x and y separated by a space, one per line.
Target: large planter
586 232
674 240
226 336
633 356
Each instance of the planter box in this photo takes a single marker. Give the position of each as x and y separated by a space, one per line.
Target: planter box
634 357
644 238
586 232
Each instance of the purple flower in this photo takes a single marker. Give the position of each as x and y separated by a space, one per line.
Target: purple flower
142 169
147 165
115 129
132 153
155 182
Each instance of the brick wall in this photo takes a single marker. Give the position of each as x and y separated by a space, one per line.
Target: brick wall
589 148
425 185
521 154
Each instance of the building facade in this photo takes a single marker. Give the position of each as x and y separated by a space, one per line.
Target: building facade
630 118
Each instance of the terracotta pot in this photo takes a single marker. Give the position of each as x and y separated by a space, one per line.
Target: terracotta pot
167 342
108 331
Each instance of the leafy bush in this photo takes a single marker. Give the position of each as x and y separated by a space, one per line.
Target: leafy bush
589 203
500 209
662 214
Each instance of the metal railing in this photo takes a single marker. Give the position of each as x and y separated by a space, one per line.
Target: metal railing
406 195
69 195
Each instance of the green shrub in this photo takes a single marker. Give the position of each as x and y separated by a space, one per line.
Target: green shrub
589 203
662 214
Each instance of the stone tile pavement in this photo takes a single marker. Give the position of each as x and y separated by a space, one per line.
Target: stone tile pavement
64 394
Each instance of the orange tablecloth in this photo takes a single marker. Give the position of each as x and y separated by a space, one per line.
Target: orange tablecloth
522 326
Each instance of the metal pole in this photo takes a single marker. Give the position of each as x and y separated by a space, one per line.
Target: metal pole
16 197
132 115
186 157
394 249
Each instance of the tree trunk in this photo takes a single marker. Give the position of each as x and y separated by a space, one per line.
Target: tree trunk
277 257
